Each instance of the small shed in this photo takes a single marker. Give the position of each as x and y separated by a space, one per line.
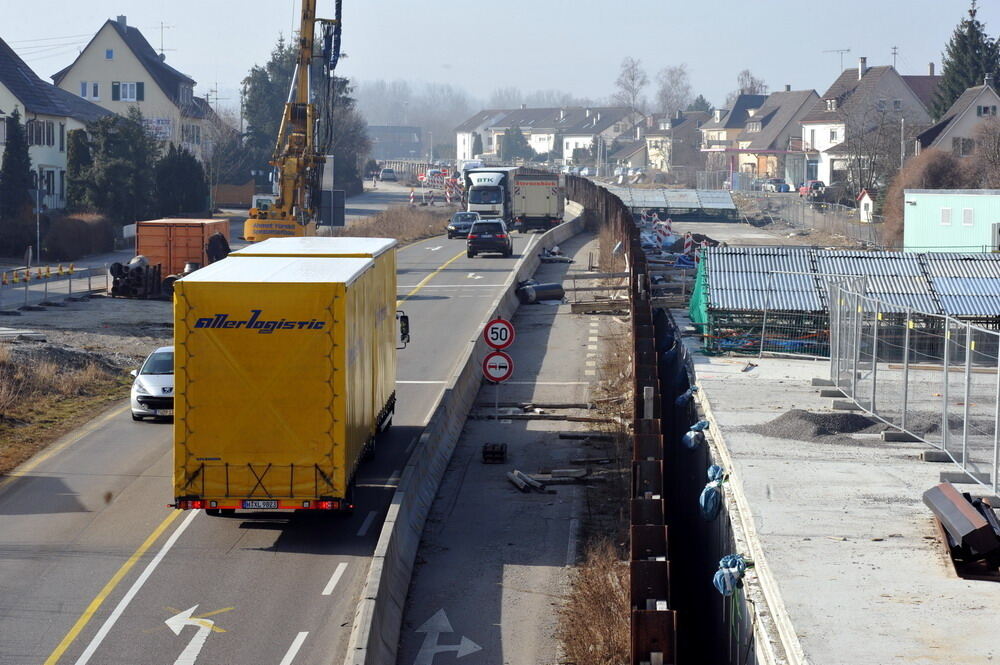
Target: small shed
951 220
866 207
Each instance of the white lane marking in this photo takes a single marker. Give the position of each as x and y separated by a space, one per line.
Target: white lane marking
592 347
589 372
473 275
366 524
133 590
591 339
432 629
402 287
591 363
197 643
434 249
546 383
294 649
395 476
337 574
421 382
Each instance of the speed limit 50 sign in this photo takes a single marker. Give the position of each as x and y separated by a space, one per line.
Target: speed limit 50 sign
499 333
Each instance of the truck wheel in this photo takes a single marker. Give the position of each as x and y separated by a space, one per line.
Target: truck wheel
227 512
214 512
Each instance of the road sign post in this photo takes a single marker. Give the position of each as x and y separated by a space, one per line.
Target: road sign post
497 365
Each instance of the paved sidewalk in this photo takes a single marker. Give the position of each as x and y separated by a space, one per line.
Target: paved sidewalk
492 567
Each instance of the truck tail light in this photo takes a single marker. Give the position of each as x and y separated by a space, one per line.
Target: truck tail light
192 504
328 505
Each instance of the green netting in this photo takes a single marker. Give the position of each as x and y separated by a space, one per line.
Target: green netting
698 305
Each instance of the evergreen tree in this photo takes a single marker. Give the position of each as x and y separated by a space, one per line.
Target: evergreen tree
15 172
180 183
477 144
265 90
78 164
700 104
121 182
968 58
513 145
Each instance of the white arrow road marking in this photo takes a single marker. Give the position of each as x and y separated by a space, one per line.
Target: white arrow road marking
367 523
133 590
293 649
473 275
337 574
433 628
434 249
197 643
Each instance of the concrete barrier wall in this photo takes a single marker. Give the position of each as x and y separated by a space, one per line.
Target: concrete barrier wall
379 615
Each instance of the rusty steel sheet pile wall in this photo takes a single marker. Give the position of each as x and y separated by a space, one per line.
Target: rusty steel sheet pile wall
653 621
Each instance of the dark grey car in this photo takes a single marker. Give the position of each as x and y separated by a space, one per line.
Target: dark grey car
489 235
460 224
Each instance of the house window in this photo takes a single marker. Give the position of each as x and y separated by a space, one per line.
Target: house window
62 137
40 132
109 54
945 216
897 105
88 90
961 147
62 184
880 105
833 136
812 138
83 89
831 105
967 217
94 94
50 183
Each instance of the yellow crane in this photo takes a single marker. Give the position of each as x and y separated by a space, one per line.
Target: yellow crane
298 159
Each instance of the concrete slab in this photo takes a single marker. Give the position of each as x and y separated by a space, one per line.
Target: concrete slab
842 529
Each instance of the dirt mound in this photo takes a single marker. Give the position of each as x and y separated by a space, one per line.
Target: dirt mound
807 426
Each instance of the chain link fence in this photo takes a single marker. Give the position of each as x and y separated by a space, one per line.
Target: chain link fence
934 377
808 214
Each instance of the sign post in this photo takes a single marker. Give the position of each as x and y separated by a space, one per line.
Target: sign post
497 365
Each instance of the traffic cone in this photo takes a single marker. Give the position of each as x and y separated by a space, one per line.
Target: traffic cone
48 272
71 268
3 279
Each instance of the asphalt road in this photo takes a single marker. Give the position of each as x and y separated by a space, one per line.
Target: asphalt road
94 568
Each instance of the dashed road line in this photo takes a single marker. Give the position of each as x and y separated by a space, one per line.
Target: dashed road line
293 650
337 574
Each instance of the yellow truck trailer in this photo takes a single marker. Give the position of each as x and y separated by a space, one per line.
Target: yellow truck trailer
383 252
278 362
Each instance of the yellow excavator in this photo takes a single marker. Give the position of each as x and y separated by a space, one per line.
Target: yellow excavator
300 156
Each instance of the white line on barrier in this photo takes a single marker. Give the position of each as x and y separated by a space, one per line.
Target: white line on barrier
366 524
294 649
421 382
409 448
337 574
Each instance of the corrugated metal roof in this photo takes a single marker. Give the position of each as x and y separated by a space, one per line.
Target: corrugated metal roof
686 199
961 285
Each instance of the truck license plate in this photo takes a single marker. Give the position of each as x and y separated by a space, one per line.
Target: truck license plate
260 504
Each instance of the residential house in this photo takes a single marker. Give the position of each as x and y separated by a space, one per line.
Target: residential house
48 113
581 128
466 133
395 142
951 220
955 132
675 143
860 103
118 69
772 131
630 154
537 125
719 133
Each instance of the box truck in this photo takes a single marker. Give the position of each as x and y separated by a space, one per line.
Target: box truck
284 375
488 191
537 201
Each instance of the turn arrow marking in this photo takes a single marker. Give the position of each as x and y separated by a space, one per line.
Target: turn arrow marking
177 622
432 629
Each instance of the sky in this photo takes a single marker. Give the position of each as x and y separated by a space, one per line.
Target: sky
572 45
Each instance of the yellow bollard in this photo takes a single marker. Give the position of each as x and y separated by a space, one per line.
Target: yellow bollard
60 270
38 273
48 272
3 279
71 268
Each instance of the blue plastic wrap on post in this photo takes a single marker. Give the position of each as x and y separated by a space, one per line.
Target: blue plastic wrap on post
695 437
729 576
685 397
716 472
710 500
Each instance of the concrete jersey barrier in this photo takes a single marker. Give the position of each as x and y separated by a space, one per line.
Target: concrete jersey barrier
379 615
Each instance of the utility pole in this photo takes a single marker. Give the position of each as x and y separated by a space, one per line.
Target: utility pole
895 52
841 51
902 141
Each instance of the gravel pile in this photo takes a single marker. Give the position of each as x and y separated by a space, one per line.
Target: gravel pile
817 427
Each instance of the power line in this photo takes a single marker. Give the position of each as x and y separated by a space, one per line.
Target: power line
48 39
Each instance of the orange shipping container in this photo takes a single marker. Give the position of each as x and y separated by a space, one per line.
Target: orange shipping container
175 242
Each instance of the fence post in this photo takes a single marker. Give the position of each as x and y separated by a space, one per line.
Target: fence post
767 304
27 279
996 429
969 345
70 294
944 391
90 273
107 284
834 332
878 319
906 364
857 346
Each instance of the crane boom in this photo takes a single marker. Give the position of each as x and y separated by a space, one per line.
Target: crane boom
296 159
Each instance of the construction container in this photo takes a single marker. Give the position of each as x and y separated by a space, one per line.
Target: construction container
172 243
275 374
383 252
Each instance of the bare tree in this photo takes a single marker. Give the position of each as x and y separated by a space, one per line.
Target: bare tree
630 83
985 165
746 84
508 97
674 92
875 138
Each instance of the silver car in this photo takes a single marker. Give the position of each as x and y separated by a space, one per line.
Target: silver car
153 388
